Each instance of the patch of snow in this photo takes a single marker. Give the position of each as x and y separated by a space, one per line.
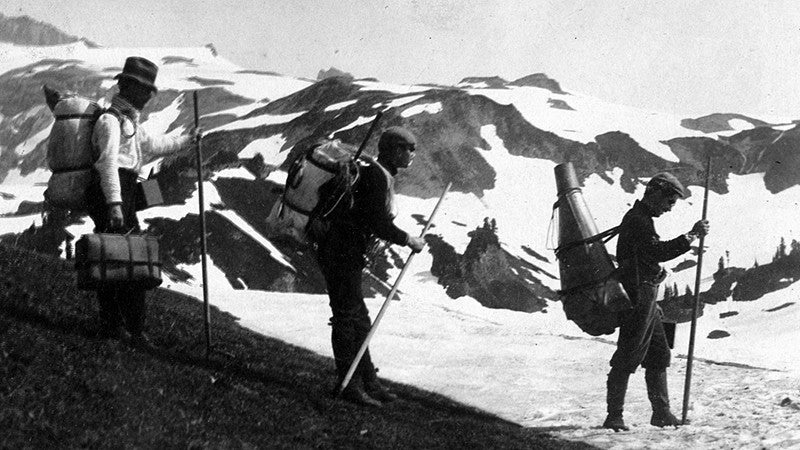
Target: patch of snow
269 148
430 108
28 188
340 105
237 111
29 144
388 87
740 124
235 172
254 122
360 121
246 228
474 85
398 102
592 117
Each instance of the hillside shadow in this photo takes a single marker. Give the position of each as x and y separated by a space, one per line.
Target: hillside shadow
44 322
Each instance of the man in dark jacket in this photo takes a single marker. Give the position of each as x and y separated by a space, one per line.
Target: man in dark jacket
342 258
641 334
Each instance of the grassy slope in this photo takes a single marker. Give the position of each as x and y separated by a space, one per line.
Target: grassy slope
59 387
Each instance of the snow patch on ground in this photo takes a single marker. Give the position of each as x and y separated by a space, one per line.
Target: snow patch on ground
740 124
235 172
269 148
340 105
534 369
430 108
360 121
398 102
29 144
254 122
388 87
591 117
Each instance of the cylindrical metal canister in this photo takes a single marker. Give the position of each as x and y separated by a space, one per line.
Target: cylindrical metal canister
590 296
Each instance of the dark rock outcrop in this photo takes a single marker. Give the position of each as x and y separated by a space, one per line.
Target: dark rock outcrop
333 72
715 123
539 80
489 82
23 30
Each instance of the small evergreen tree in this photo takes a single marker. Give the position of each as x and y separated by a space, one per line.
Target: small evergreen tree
795 248
780 252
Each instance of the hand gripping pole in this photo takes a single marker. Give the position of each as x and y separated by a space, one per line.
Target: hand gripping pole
388 300
696 306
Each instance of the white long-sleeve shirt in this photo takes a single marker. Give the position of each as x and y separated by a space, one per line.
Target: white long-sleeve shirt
124 145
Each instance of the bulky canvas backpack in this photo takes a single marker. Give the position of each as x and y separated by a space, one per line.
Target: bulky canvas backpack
319 185
70 153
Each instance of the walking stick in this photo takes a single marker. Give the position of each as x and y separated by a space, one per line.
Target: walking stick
388 300
206 306
696 305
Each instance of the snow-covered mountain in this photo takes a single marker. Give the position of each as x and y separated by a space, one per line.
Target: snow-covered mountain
498 143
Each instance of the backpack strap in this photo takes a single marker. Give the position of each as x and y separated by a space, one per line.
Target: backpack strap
121 119
605 236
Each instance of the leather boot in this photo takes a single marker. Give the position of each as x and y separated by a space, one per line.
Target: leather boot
355 393
616 387
375 389
658 395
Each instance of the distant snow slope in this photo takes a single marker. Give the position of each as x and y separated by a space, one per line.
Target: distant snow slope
537 369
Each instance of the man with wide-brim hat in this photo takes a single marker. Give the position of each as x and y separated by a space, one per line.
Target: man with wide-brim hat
642 340
123 147
140 70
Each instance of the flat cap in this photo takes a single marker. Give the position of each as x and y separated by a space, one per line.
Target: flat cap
667 182
396 135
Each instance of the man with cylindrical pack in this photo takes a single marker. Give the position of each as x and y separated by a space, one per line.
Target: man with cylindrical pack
642 340
122 145
342 251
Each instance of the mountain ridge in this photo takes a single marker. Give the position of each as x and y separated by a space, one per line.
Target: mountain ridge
453 125
24 30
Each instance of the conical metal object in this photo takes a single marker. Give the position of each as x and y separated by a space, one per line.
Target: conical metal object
590 294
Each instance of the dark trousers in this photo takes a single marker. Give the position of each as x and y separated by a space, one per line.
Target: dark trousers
119 306
641 333
350 323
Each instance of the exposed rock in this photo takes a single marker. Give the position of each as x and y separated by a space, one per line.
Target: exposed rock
333 72
715 123
559 104
485 82
718 334
486 272
539 80
23 30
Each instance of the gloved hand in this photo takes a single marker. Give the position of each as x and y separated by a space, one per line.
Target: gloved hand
416 244
115 219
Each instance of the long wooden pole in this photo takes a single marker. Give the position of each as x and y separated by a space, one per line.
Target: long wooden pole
696 306
206 306
369 134
388 300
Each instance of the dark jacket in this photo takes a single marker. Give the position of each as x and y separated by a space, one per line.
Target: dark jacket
351 233
639 248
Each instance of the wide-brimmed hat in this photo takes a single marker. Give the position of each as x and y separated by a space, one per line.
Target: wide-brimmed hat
140 70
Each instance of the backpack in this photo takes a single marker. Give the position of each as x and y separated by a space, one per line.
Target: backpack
591 293
70 153
319 187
